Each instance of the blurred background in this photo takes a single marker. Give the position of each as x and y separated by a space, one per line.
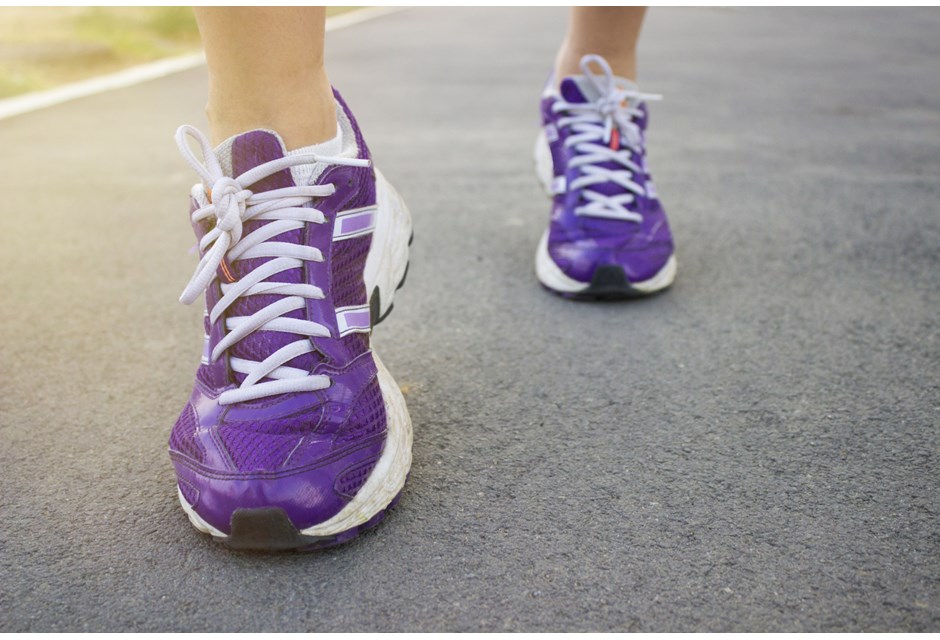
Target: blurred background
43 47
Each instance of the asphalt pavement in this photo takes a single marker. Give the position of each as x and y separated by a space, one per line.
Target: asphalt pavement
757 449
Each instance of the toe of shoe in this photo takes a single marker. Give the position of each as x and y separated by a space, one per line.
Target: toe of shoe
642 264
585 262
309 492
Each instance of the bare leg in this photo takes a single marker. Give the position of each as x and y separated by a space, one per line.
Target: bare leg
611 32
266 71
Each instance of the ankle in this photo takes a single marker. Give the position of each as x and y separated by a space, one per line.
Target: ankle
568 61
301 118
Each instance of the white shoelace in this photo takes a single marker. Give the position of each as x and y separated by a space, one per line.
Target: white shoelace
593 124
231 205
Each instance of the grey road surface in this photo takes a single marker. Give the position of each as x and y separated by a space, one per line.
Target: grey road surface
757 449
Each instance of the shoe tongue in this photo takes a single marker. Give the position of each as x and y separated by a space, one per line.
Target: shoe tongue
578 89
248 150
237 155
575 89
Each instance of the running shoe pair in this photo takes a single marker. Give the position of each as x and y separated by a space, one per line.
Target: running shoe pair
296 436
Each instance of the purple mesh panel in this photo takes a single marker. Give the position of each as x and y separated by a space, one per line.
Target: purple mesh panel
367 417
204 375
297 424
349 262
351 480
183 436
365 194
254 451
356 342
190 493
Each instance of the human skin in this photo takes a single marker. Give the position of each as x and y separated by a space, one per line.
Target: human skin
266 71
610 32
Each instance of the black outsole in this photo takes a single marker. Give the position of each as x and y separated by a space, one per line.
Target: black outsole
404 276
375 300
269 529
608 284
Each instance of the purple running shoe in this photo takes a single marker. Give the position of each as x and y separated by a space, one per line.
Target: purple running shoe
295 435
608 237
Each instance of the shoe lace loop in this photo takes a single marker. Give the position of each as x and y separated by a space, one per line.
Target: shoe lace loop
604 131
230 204
229 199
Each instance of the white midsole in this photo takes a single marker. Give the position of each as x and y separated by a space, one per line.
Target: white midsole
195 518
551 275
388 255
544 169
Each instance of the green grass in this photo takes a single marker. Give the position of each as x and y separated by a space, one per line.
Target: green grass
137 36
42 47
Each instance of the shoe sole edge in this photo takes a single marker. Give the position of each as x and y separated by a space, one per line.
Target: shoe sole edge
554 279
387 262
